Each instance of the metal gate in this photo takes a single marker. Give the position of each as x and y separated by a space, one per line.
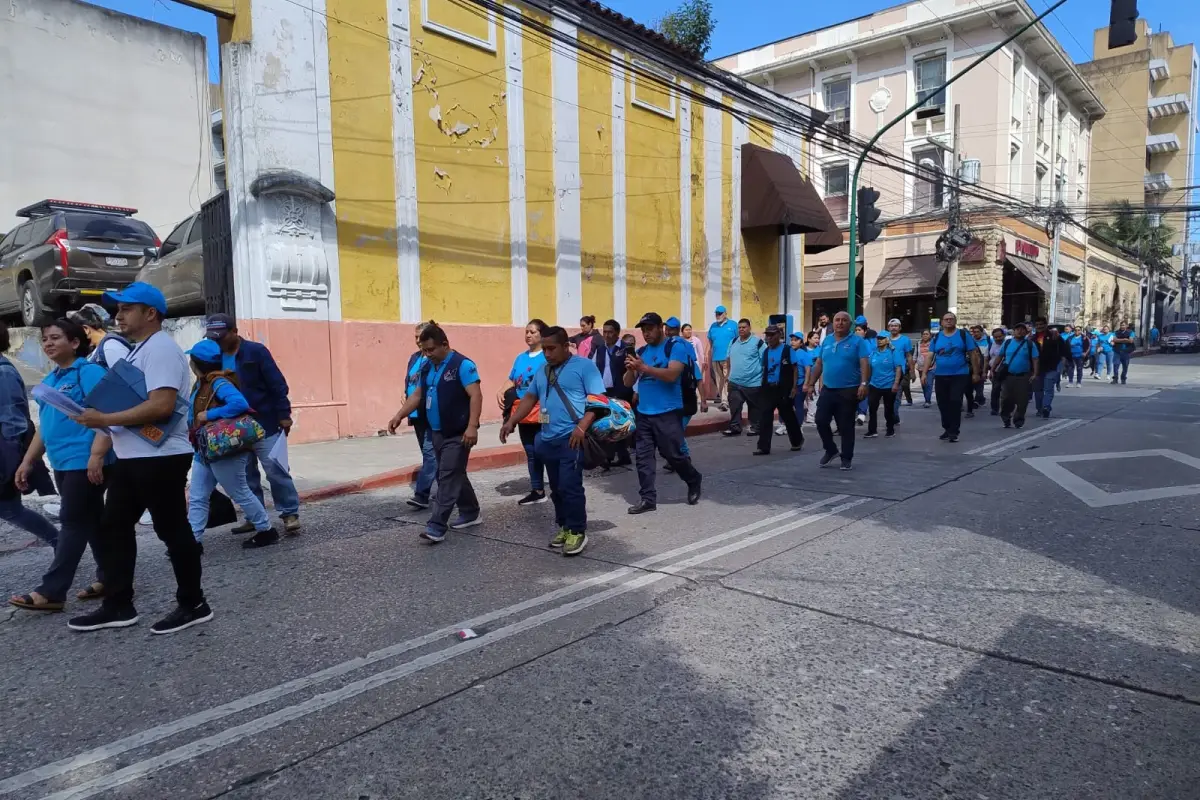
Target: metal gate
218 256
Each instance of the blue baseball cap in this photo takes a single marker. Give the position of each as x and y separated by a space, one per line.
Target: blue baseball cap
883 335
720 309
673 322
217 325
206 350
142 293
860 320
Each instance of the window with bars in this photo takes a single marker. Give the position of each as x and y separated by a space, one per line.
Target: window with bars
1018 96
930 74
837 103
1043 99
837 185
929 187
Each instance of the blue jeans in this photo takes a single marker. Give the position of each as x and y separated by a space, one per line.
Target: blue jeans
1121 363
1043 390
1103 363
283 488
927 388
428 471
230 474
564 467
12 512
537 469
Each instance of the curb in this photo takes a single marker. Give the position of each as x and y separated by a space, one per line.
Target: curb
482 459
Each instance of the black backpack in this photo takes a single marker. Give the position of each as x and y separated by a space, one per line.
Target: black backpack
687 380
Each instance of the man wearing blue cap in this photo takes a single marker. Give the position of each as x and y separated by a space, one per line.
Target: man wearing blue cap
674 326
721 334
147 476
266 389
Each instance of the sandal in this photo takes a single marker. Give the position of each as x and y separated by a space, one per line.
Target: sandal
94 591
28 602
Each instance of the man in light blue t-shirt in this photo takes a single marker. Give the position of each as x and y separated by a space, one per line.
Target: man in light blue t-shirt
843 367
1017 362
745 378
721 334
904 347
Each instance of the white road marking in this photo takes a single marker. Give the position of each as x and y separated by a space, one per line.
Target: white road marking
1014 443
1094 496
275 719
159 732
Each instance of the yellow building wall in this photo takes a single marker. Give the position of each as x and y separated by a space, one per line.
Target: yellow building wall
728 225
462 171
539 172
596 195
359 85
760 255
699 252
653 208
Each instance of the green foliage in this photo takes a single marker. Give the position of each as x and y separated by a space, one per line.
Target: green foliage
1132 228
690 26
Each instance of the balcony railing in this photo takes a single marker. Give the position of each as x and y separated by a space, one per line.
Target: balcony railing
1159 71
1157 181
1169 105
1162 143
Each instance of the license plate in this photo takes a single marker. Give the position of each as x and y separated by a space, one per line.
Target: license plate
116 261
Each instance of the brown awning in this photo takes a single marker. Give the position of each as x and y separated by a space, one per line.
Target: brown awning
1032 270
831 280
776 195
911 275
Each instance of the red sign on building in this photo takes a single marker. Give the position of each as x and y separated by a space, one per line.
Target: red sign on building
1027 250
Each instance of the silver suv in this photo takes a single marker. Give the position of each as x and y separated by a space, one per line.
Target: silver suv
177 268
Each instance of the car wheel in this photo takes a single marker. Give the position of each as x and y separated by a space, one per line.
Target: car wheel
31 304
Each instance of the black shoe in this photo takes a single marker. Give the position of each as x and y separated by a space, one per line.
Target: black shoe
1008 423
732 432
889 434
693 496
623 461
871 435
796 448
1114 381
105 617
825 459
643 507
182 618
995 413
668 468
1020 424
261 539
953 438
752 432
248 527
944 436
970 415
846 465
1045 413
533 498
761 453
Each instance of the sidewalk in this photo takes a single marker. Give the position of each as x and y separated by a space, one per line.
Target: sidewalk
329 469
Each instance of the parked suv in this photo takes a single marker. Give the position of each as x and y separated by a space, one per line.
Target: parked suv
1181 337
177 269
68 254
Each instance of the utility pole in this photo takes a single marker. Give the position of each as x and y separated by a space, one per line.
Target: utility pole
955 205
1147 309
1056 221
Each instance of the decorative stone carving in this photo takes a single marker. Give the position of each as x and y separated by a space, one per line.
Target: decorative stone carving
291 204
881 98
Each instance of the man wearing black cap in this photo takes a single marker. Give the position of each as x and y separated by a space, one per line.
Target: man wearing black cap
266 390
778 391
657 370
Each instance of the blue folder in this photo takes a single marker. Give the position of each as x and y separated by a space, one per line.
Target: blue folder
122 388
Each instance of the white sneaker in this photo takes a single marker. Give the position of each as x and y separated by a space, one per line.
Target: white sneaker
146 519
52 510
780 429
861 419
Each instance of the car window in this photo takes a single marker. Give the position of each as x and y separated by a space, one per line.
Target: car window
197 232
1182 327
109 228
23 236
175 237
41 229
7 241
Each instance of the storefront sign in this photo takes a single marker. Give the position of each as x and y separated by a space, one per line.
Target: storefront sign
1026 250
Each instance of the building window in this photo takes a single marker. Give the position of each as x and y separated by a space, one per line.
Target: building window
1060 188
929 188
931 74
1018 96
837 103
1014 170
1039 185
837 183
1062 124
1043 99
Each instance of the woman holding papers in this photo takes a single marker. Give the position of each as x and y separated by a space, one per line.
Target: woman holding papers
216 396
80 458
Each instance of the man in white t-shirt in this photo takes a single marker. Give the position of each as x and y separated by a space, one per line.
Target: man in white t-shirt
147 476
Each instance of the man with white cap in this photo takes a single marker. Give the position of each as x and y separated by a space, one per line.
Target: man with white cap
721 334
904 349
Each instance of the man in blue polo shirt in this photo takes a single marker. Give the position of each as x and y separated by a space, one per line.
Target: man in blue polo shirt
674 327
778 391
657 374
1016 366
449 399
904 349
843 367
721 334
560 389
1124 341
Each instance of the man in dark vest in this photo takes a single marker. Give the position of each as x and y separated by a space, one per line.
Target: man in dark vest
610 360
448 399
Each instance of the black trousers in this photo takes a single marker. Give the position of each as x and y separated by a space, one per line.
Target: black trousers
664 433
888 397
750 397
997 390
617 451
1014 398
906 386
840 405
82 508
158 485
950 390
772 398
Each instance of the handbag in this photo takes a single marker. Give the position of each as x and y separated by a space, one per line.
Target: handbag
222 438
593 452
511 402
1001 370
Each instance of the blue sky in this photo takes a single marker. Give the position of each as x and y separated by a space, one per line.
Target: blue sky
770 20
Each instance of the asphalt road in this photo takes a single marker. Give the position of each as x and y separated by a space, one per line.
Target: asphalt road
978 620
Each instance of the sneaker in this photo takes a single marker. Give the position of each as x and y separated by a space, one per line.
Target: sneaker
291 524
1113 381
416 501
1045 413
1095 377
463 522
995 413
1008 423
52 510
780 429
245 527
667 468
559 538
724 406
693 495
533 498
148 520
182 618
105 617
926 405
732 432
890 434
752 432
261 539
825 459
861 419
871 436
433 536
953 438
1020 424
574 544
970 415
944 436
847 465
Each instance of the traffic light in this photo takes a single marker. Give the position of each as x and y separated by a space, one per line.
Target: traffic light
868 230
1122 23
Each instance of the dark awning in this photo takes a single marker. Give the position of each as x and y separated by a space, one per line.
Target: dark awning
831 280
911 275
776 195
1032 270
820 242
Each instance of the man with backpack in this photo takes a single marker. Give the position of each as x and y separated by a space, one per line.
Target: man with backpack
778 391
674 328
560 390
956 357
661 373
745 379
107 348
1015 368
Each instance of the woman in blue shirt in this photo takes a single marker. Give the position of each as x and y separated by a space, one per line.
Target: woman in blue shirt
80 458
215 396
887 366
955 357
525 366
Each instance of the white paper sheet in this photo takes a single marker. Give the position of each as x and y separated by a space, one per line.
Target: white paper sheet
279 454
56 399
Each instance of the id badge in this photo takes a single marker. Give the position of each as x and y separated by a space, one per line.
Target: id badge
544 417
428 402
